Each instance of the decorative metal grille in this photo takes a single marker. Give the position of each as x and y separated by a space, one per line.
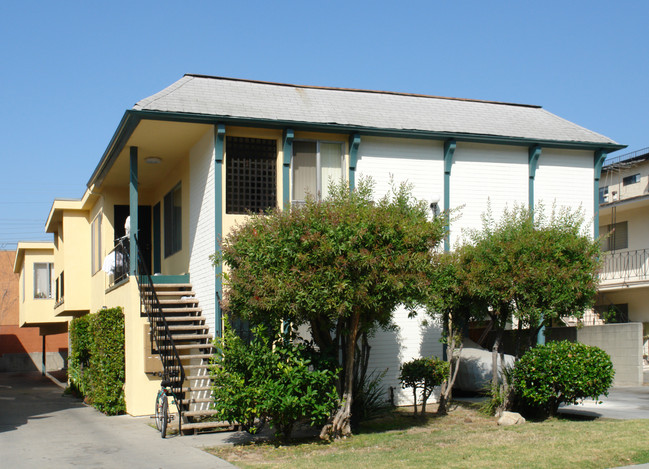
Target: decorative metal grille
251 175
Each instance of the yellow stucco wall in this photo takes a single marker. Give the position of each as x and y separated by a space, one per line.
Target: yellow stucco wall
33 310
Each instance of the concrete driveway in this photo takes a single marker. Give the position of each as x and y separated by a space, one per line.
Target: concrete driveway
621 403
39 427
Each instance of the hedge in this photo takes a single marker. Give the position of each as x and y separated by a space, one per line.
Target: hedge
96 365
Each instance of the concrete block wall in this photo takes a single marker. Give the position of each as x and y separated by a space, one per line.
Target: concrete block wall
623 342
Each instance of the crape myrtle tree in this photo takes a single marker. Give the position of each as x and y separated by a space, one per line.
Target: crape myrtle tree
531 268
451 304
339 266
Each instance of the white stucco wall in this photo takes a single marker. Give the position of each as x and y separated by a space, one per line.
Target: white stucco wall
201 224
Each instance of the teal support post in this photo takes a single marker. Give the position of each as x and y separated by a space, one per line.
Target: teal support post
133 203
354 143
287 150
600 157
219 150
449 152
533 159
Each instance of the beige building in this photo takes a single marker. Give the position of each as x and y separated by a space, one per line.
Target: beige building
188 163
624 218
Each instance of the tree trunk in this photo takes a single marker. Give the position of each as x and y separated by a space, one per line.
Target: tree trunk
341 423
494 358
447 386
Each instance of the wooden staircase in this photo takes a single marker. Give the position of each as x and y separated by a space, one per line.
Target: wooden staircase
193 343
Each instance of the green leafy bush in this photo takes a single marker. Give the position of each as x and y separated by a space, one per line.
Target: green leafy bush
562 372
424 374
283 381
96 365
79 357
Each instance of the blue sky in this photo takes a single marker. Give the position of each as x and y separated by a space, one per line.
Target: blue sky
71 69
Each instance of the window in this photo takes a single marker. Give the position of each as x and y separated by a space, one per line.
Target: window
43 280
250 175
173 221
95 241
631 179
617 236
315 166
603 195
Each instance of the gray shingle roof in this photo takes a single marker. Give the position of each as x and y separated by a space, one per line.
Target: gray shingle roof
243 99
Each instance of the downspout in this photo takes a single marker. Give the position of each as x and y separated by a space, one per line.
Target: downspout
219 147
133 203
354 143
287 151
449 152
600 157
534 153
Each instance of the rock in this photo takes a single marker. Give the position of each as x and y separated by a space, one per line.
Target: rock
510 418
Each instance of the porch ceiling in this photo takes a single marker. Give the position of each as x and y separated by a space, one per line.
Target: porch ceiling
169 141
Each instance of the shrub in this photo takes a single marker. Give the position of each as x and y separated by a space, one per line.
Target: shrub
283 381
424 374
562 372
96 364
79 358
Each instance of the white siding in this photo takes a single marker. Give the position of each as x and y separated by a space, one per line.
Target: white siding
201 223
420 162
567 178
413 338
483 175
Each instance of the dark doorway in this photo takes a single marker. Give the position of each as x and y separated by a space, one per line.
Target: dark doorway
144 232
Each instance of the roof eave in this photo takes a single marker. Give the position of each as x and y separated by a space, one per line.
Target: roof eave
132 118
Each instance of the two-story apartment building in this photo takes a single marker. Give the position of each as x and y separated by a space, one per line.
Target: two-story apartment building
624 216
188 163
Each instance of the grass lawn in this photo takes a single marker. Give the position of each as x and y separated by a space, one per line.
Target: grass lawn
465 438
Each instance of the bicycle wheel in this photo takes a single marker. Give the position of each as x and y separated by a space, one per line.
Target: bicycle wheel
158 409
165 416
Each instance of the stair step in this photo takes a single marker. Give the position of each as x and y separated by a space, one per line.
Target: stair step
200 413
162 286
203 425
197 388
187 327
186 346
171 293
182 309
177 337
205 356
197 377
184 318
197 367
199 400
166 301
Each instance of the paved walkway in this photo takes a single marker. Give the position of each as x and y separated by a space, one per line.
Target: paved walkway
39 427
621 403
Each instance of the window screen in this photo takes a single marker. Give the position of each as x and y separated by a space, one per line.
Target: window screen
173 221
251 174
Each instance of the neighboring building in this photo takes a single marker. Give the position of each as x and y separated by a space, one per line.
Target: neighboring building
624 217
189 162
30 337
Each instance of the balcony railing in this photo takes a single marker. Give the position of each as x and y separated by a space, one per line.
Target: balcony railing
626 266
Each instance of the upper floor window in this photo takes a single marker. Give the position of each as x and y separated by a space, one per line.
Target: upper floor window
617 236
173 221
315 166
95 242
43 279
631 179
250 174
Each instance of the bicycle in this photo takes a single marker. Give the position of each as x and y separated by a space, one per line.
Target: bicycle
162 414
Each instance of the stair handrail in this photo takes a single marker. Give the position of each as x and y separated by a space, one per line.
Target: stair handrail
153 308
